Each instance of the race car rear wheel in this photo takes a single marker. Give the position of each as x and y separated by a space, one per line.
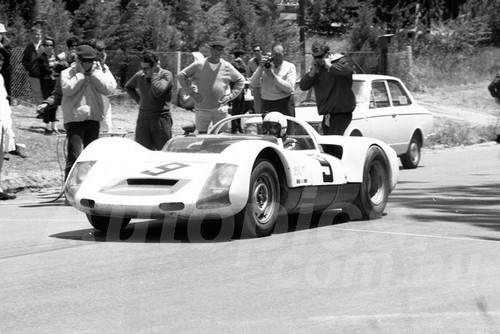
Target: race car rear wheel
411 158
374 190
104 223
259 216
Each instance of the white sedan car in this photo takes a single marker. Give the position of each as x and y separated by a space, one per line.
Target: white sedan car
385 110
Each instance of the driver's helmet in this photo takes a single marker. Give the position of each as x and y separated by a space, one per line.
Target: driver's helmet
274 124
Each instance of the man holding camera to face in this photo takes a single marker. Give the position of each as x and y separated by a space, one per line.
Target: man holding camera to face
276 77
82 86
331 77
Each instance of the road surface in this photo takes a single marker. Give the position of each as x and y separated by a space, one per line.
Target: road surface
429 265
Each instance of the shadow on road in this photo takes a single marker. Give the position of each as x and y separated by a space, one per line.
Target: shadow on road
477 205
206 231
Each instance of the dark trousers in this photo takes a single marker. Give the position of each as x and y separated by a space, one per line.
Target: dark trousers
285 106
338 124
153 131
238 108
47 85
79 135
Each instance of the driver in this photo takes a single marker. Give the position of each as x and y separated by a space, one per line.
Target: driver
275 124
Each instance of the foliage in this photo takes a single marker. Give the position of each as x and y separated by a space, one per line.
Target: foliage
363 35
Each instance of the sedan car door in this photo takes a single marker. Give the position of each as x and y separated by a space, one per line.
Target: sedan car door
406 118
381 114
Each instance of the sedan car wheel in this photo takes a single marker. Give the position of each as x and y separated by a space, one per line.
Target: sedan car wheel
258 218
411 158
104 223
374 190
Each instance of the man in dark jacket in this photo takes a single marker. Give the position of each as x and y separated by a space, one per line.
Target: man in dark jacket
30 62
331 77
6 51
494 88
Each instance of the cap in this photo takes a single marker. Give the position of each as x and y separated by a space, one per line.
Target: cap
218 43
86 52
2 28
238 52
319 48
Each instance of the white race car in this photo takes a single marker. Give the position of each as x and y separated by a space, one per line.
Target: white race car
249 177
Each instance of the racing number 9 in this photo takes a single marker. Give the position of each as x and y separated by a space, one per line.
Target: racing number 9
164 169
327 169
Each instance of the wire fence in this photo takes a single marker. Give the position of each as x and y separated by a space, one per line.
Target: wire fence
398 64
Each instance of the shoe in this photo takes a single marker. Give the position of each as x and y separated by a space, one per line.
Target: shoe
6 196
39 115
47 132
55 131
19 152
6 156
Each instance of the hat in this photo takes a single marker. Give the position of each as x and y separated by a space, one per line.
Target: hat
2 28
86 52
238 52
218 43
319 48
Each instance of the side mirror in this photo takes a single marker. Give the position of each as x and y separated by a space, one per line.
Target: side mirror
188 129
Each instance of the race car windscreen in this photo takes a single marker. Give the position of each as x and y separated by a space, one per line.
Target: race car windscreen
208 144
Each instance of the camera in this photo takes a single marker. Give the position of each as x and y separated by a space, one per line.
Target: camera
268 63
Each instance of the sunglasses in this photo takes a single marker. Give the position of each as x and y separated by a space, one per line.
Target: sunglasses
257 50
87 61
319 57
271 129
51 45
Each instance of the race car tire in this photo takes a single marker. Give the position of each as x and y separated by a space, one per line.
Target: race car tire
101 223
374 190
411 158
259 216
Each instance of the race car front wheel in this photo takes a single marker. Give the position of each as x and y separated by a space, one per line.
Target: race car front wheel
374 190
104 223
259 216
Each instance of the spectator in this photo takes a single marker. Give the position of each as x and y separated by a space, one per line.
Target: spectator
30 62
331 77
68 56
6 52
253 64
82 87
107 122
238 103
207 81
151 88
10 146
123 70
494 89
276 78
46 63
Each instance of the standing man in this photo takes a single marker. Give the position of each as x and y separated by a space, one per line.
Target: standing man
207 81
6 52
151 88
494 88
331 77
238 104
82 86
276 78
30 62
253 63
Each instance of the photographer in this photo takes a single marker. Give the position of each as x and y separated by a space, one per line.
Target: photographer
276 77
82 86
331 77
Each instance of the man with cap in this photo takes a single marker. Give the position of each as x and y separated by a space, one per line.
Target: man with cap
208 82
151 88
82 86
331 77
6 52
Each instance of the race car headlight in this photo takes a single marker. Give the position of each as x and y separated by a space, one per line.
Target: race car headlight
76 177
215 192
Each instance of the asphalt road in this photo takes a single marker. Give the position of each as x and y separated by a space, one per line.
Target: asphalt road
429 265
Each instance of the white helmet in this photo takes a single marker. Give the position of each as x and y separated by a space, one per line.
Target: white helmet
275 124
